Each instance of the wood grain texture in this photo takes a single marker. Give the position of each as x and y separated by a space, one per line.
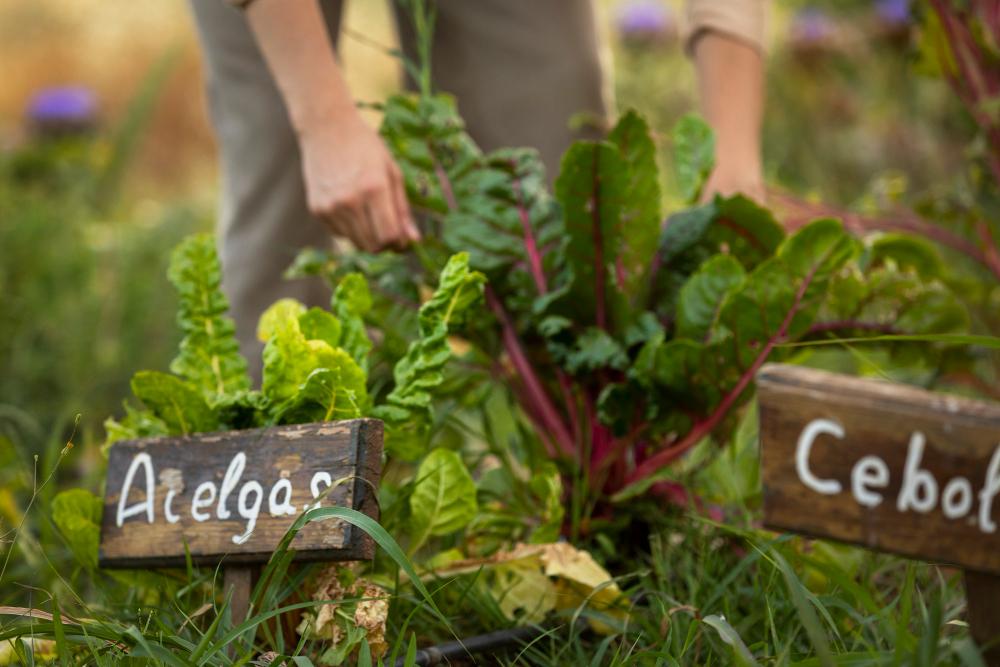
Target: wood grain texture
350 452
878 418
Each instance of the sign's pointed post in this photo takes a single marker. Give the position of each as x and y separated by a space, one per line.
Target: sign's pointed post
237 583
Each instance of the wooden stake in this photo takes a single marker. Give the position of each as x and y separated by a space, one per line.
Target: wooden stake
237 582
982 593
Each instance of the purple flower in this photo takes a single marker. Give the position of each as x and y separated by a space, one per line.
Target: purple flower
893 12
812 26
75 105
644 19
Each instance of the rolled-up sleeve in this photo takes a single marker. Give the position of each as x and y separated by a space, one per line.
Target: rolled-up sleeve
743 19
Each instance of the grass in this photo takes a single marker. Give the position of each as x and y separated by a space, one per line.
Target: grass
701 593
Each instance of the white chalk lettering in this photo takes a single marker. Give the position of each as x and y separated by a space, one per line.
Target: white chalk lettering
229 481
167 511
198 501
956 500
146 505
282 507
919 490
871 471
320 477
814 429
988 493
249 512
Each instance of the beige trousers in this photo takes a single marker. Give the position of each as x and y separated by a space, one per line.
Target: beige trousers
519 69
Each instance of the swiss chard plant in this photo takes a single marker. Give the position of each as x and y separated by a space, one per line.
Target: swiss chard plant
628 336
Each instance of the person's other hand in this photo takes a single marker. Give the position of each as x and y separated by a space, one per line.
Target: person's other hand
730 179
353 184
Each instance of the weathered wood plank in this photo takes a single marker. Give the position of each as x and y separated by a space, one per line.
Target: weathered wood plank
232 496
890 467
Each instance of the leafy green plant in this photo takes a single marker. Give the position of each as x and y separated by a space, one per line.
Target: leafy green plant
627 340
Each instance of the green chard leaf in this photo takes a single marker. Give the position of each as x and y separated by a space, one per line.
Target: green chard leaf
351 302
508 223
703 294
744 229
407 409
694 155
594 350
178 404
209 356
306 378
640 218
444 497
135 424
592 186
77 513
330 393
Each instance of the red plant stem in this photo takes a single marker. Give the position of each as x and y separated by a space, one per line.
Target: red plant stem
990 251
531 246
550 421
442 176
536 395
571 410
541 284
977 84
703 428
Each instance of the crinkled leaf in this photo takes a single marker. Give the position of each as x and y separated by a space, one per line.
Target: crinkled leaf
77 513
209 356
507 222
180 406
135 424
351 302
335 391
684 230
290 357
319 324
278 316
908 252
694 155
444 496
702 296
594 350
407 409
744 229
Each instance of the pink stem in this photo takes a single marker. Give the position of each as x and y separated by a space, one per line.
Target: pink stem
703 428
531 246
990 251
536 395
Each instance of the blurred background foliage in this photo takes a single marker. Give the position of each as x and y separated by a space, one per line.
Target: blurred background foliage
87 221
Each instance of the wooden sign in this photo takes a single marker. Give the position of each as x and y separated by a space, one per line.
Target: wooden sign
883 465
232 496
889 467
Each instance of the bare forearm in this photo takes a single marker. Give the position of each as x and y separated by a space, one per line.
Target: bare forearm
731 86
351 180
292 36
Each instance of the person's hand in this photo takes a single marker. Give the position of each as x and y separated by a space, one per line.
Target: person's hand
731 83
353 184
728 179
